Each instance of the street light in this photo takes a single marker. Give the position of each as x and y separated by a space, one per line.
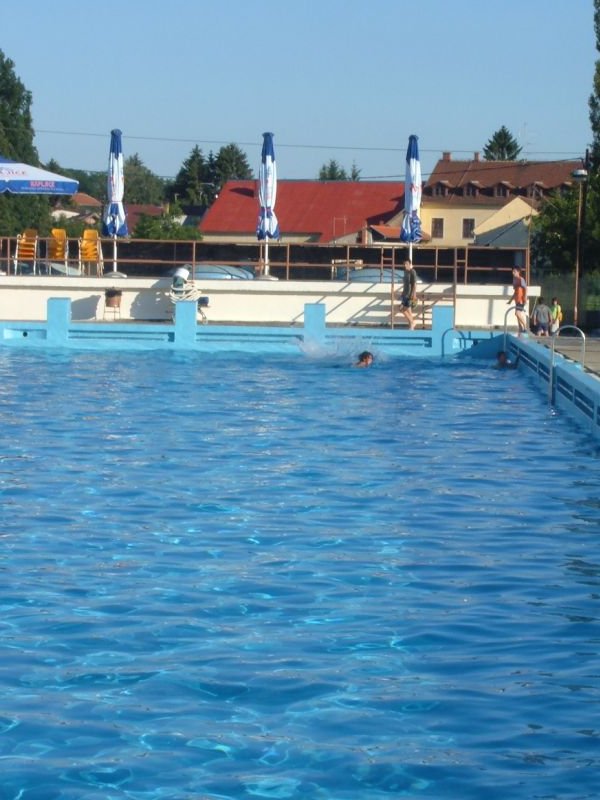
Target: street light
580 176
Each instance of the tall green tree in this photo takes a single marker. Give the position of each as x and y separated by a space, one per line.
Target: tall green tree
141 184
332 171
200 179
231 163
16 142
553 233
594 101
191 183
92 183
502 146
591 229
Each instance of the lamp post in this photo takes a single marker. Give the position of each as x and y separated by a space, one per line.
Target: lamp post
579 176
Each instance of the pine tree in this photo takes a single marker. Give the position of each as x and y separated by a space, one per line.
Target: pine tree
191 183
332 171
502 146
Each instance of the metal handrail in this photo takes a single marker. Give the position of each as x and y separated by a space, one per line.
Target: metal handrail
581 334
553 350
508 310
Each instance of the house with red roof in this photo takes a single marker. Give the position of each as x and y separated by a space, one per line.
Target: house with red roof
317 212
464 199
460 199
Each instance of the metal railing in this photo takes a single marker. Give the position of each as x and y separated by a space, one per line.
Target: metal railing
581 334
304 261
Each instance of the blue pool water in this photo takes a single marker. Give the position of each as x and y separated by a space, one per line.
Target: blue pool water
253 578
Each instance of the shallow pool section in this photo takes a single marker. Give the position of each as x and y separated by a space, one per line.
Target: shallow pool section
236 577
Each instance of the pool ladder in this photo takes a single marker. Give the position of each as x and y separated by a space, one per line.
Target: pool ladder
581 334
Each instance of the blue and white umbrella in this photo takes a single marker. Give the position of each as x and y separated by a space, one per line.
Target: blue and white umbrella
21 178
411 224
268 226
115 221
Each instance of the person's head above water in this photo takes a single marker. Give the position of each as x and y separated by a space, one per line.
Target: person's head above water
365 359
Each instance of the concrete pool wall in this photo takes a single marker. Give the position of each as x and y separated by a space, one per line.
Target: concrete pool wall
311 333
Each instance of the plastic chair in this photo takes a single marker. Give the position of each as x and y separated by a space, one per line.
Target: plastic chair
90 250
26 249
58 246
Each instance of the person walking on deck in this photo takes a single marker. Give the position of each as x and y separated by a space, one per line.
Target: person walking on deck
408 296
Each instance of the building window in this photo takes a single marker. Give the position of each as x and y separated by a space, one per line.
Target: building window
437 228
501 190
468 228
471 190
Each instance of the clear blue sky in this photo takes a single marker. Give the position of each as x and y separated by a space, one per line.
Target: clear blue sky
333 79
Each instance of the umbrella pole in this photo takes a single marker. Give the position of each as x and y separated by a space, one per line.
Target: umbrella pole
114 253
266 256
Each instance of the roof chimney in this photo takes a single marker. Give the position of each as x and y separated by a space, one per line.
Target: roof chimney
476 156
446 156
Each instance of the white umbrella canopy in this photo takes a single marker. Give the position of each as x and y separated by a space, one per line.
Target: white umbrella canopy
411 223
115 219
19 178
268 226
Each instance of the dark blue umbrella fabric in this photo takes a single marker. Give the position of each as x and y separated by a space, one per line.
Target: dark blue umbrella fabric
411 224
115 221
268 227
21 178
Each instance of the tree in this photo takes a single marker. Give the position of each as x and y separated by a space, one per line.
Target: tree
191 184
166 226
141 184
231 163
355 172
16 142
200 179
590 240
553 233
594 101
332 171
502 146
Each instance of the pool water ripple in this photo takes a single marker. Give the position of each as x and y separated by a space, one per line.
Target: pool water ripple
240 577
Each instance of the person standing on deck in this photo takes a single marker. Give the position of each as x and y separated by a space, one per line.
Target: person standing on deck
519 297
557 316
408 295
542 318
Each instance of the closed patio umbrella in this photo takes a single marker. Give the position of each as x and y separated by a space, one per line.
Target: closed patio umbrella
115 221
411 223
268 226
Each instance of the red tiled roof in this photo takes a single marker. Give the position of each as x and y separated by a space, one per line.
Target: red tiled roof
518 174
134 211
85 200
388 231
322 210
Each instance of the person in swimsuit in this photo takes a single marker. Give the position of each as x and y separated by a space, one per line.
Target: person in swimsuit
519 298
365 359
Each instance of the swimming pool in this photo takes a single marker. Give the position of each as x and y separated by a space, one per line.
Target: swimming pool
270 577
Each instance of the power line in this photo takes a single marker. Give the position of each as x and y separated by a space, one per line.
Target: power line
296 146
